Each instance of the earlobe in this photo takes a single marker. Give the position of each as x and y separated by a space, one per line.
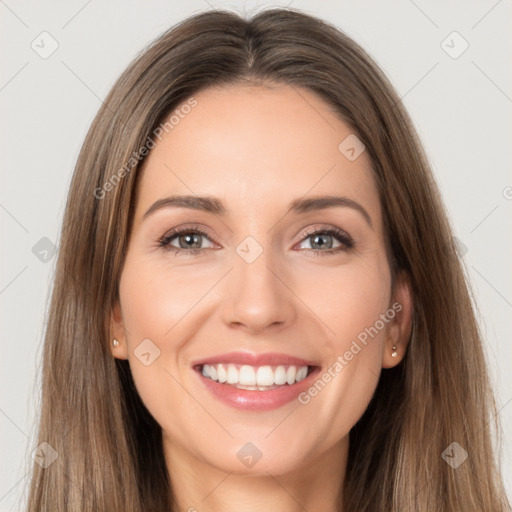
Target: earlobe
117 334
401 324
393 354
118 350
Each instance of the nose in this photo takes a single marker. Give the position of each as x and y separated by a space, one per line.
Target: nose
258 296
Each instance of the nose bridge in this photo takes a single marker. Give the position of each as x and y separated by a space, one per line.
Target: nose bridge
256 295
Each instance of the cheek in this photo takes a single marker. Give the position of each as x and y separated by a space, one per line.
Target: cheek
353 305
160 304
347 299
150 310
156 297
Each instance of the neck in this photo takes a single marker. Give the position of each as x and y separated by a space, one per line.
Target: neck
200 487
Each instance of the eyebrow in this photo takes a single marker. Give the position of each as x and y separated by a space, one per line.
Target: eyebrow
215 206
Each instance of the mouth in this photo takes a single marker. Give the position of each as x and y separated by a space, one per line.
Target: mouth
255 378
256 382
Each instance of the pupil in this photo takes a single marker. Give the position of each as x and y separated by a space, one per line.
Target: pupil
321 244
194 237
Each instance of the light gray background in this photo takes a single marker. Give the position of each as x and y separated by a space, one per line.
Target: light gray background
461 107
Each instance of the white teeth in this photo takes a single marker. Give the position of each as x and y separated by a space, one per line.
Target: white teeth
280 375
250 377
221 373
246 376
290 374
301 374
233 376
255 388
265 376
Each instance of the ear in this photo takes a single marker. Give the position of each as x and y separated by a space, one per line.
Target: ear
399 328
118 332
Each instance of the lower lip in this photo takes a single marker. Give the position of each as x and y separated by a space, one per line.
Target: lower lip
253 400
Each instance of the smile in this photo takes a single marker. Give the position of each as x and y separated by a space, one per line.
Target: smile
255 382
261 378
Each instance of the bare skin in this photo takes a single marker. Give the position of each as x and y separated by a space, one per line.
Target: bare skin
257 149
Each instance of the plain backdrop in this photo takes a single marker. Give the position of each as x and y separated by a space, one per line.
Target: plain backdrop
459 99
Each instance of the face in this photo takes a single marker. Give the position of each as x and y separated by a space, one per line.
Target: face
293 302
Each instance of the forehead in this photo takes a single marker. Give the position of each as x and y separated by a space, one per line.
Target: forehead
256 146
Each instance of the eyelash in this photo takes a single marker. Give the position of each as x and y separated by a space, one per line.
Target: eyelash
343 237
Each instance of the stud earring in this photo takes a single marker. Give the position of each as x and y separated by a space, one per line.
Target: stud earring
394 353
115 342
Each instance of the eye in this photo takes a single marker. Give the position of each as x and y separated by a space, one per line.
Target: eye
187 240
322 240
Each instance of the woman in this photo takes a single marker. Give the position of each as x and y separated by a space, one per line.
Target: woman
199 355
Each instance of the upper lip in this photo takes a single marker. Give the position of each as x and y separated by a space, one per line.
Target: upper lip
267 358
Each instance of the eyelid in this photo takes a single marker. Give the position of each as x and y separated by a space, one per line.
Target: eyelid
322 228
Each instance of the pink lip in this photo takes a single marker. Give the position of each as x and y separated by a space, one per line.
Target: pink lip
250 400
256 400
266 359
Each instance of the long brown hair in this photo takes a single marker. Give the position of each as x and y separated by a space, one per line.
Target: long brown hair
109 447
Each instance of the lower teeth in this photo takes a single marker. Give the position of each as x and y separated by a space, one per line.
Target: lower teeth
254 388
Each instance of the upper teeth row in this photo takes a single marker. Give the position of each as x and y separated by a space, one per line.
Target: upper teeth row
255 375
